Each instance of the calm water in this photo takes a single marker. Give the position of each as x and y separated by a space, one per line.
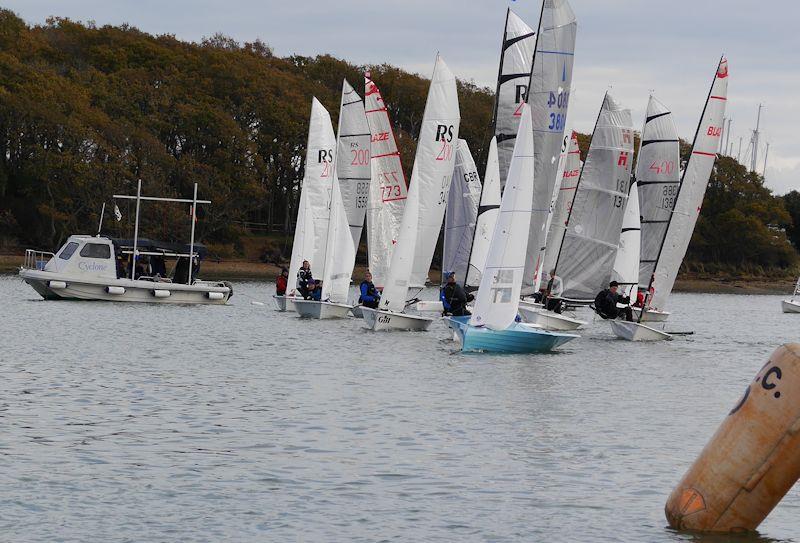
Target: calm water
157 423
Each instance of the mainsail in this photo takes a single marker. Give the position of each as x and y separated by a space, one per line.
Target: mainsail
692 189
387 189
353 164
488 210
516 57
311 230
498 296
340 254
658 178
430 181
548 96
566 194
461 212
626 265
590 245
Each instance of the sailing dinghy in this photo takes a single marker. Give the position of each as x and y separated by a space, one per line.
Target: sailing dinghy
589 248
424 208
313 214
688 199
626 272
791 305
563 194
493 327
658 178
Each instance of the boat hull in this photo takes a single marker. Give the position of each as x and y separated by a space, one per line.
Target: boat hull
790 306
454 323
520 338
651 315
312 309
356 311
634 331
549 320
52 286
280 302
433 306
379 320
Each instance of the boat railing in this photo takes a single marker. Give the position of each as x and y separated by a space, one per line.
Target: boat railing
36 260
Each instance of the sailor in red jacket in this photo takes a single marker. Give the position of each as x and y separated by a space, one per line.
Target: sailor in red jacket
281 282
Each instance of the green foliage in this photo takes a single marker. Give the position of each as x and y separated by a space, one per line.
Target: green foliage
86 111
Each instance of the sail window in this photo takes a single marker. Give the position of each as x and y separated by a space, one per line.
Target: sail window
68 250
96 250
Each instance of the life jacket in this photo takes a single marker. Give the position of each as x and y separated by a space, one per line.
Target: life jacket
601 304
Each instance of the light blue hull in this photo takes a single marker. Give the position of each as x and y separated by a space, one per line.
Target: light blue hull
518 338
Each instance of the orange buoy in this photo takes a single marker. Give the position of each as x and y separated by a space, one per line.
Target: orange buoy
751 461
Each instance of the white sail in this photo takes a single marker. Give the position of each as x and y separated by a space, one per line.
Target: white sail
658 179
353 163
430 181
626 265
461 213
516 57
488 210
341 253
570 174
590 245
692 188
548 95
311 230
497 301
387 189
541 272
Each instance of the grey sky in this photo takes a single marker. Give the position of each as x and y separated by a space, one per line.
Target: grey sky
669 46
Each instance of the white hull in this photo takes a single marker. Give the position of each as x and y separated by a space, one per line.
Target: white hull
312 309
389 320
429 306
55 286
651 315
280 302
634 331
549 320
790 306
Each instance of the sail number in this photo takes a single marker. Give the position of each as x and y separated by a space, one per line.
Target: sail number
559 101
668 195
664 167
360 157
622 186
390 187
362 195
445 187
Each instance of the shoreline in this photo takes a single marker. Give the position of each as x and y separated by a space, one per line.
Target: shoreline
241 270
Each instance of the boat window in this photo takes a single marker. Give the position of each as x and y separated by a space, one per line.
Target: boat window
96 250
68 250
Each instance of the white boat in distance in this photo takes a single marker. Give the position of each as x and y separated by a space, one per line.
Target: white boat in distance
791 305
85 268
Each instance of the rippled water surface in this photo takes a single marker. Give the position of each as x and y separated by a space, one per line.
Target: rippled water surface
237 423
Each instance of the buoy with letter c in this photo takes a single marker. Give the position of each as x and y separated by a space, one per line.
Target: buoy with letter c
751 461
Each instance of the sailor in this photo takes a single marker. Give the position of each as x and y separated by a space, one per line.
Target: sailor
552 296
316 292
305 281
605 303
282 282
370 297
454 297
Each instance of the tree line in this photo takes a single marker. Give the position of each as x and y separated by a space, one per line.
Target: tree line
86 111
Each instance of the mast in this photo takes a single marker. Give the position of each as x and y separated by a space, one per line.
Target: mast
680 187
756 135
500 72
